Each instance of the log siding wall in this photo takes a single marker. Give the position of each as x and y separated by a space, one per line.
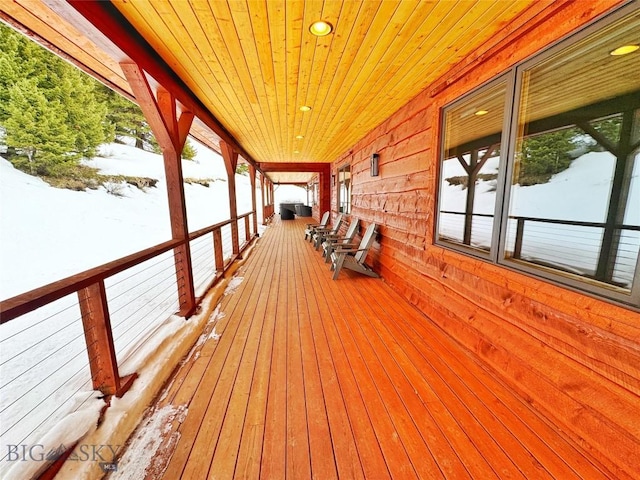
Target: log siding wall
576 359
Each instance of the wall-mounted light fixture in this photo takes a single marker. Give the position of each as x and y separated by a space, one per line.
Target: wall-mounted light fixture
374 164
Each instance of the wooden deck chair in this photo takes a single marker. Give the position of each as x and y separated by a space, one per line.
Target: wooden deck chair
321 233
346 241
310 230
352 258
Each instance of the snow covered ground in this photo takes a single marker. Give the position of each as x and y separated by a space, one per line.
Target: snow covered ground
47 234
580 193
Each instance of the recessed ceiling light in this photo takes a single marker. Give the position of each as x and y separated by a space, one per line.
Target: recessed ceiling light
305 108
299 137
624 50
296 151
479 113
321 28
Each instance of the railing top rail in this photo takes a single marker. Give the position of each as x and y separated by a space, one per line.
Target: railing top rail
25 302
464 213
551 220
575 223
28 301
209 229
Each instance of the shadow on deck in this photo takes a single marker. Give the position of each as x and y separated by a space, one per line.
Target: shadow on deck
314 378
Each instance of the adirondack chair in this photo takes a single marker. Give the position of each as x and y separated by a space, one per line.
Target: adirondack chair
332 241
321 233
311 227
353 258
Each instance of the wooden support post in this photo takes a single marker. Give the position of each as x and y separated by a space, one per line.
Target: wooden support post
517 248
99 338
252 177
217 249
324 181
618 199
230 157
262 202
471 195
271 198
247 229
171 133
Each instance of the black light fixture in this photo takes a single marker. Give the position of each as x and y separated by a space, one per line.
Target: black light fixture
374 164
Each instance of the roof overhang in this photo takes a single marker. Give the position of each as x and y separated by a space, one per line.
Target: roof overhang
245 68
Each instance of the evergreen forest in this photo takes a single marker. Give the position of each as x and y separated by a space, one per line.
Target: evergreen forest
52 115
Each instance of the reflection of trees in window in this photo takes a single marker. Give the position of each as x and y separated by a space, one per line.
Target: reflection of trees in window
570 210
545 155
589 140
469 170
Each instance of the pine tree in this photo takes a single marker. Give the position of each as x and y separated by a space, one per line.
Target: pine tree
545 155
37 128
128 120
50 113
189 152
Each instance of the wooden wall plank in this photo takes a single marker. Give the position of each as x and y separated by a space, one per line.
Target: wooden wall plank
574 358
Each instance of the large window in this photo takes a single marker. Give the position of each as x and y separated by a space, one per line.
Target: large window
312 194
472 135
568 208
344 189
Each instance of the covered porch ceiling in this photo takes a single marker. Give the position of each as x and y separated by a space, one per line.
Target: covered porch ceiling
252 64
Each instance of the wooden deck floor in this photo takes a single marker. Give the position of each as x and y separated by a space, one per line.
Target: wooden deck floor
314 378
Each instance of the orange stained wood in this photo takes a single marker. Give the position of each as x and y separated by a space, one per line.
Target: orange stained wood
254 63
313 378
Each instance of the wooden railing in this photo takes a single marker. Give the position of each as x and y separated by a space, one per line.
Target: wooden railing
269 211
94 304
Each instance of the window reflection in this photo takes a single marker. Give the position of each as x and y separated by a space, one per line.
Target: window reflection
344 189
574 200
469 170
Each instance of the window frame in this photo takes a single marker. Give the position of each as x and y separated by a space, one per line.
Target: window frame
508 79
342 168
312 191
497 254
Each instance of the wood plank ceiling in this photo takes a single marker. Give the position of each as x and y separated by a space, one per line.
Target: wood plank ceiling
253 63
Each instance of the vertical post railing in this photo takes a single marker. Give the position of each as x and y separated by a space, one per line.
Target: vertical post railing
99 339
517 248
171 133
217 250
230 157
262 199
252 177
247 230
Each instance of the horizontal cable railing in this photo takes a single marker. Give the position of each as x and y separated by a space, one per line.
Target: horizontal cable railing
139 300
227 243
54 340
569 245
575 246
45 371
242 231
203 261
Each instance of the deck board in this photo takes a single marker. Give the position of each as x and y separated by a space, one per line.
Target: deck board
314 378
